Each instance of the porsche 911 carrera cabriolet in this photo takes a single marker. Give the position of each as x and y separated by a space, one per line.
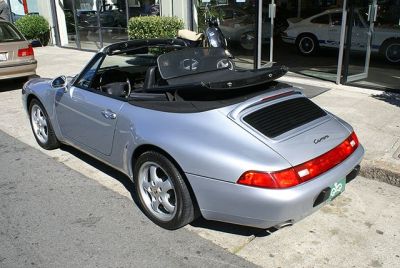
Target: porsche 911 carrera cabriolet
197 135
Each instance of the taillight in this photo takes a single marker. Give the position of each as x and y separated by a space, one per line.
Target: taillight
303 172
25 52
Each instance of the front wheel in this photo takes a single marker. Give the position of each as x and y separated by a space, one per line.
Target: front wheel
162 191
41 126
307 44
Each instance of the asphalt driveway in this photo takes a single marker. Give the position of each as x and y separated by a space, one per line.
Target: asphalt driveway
52 216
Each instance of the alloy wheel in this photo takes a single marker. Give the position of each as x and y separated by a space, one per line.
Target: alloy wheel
39 124
157 191
306 45
393 52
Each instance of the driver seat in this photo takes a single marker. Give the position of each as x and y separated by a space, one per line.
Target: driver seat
153 78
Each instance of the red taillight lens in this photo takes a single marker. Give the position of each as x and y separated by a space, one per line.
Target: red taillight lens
25 52
303 172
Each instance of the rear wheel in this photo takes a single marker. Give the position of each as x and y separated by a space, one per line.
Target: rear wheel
41 126
391 50
307 44
162 191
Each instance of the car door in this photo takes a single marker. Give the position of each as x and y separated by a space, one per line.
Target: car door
334 30
85 116
320 26
359 34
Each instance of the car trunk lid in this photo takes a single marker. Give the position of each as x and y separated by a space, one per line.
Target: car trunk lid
290 124
14 52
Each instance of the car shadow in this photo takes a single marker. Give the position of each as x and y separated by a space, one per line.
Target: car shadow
232 228
14 84
390 97
119 176
129 185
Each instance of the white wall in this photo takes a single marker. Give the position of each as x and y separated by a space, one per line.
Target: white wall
176 8
62 26
44 9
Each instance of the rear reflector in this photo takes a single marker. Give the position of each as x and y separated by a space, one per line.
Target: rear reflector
25 52
303 172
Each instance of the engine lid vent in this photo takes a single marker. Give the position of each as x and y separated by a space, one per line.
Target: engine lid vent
281 117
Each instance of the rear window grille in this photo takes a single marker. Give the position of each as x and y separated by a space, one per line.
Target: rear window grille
281 117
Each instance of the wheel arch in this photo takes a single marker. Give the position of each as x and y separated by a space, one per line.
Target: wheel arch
29 100
150 147
306 33
386 42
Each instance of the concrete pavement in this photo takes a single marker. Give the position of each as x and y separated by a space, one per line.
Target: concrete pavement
365 220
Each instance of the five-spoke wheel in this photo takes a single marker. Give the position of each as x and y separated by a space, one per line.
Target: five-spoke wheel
157 191
162 191
41 126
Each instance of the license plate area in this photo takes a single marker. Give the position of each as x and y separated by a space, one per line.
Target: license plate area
337 188
3 56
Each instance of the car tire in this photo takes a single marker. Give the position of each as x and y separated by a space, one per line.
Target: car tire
162 191
41 126
391 51
307 44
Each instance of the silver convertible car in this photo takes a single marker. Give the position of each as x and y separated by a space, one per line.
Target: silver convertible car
197 135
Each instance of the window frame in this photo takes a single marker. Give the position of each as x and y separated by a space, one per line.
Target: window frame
324 15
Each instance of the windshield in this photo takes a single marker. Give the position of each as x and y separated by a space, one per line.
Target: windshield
8 33
192 61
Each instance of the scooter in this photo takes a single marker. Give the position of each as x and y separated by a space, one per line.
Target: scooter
212 36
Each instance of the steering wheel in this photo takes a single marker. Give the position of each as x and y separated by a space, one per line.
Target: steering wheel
113 76
225 63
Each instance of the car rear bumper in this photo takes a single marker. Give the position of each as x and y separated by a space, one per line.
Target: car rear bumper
289 39
20 69
264 208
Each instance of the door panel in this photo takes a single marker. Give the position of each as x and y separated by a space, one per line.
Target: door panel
88 118
359 35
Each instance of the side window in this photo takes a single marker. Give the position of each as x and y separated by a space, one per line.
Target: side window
324 19
86 79
336 19
357 21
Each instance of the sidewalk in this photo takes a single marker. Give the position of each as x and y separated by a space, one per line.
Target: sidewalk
373 114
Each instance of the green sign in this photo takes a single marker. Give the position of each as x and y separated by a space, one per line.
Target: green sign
337 188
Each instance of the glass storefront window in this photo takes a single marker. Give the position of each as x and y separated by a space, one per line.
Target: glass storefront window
92 24
384 66
237 23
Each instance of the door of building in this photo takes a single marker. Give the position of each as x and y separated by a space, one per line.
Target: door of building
266 20
356 39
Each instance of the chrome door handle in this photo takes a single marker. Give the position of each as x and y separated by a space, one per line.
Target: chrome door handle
109 114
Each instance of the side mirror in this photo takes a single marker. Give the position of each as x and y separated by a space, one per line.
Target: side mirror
59 82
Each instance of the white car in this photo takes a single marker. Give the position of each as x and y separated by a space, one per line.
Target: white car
323 30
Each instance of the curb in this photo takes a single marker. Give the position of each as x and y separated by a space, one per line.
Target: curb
377 173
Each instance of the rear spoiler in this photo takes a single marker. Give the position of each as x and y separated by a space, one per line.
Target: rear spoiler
245 79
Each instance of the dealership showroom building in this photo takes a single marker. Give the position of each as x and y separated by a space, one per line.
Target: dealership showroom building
354 42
